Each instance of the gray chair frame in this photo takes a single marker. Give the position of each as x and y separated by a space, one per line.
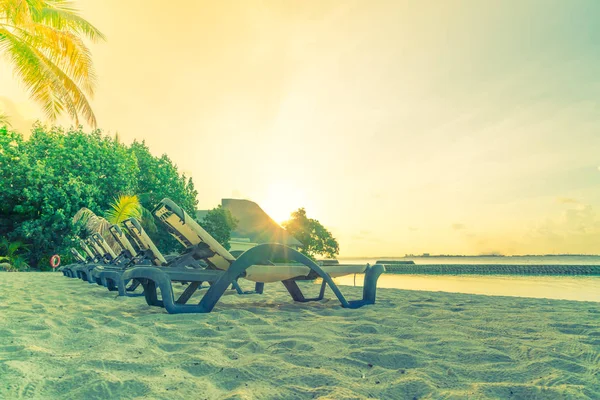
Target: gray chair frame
155 278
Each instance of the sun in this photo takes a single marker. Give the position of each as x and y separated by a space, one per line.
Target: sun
282 198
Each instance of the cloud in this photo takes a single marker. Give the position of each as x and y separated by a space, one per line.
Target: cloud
581 220
575 230
458 227
363 234
567 200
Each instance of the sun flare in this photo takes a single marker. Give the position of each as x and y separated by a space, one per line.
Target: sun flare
282 198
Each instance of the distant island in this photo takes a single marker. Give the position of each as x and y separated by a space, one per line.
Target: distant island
496 255
428 255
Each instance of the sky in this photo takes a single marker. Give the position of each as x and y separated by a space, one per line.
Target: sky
455 127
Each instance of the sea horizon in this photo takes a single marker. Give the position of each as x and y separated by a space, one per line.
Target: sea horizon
562 259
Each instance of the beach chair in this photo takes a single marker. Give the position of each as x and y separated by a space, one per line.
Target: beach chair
129 251
91 256
193 257
103 255
225 269
94 257
108 274
67 270
144 252
111 259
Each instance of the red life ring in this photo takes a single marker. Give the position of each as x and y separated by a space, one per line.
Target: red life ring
55 261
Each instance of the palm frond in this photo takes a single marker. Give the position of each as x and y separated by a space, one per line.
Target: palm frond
43 41
43 85
63 15
74 99
16 261
66 50
124 207
4 120
91 222
19 263
15 247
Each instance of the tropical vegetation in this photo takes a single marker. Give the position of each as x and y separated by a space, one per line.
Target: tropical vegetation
13 258
315 238
44 42
219 223
46 179
122 208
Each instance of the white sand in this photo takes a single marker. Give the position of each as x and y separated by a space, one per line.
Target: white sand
65 339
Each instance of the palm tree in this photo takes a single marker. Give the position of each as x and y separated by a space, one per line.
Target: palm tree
43 41
124 207
13 255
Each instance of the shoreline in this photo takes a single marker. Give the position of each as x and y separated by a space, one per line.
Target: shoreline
494 269
573 288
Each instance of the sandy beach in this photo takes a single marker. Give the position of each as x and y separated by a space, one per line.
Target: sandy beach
62 338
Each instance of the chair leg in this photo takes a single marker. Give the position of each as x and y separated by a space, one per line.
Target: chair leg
134 285
297 295
259 287
294 290
235 285
188 292
370 283
121 287
150 293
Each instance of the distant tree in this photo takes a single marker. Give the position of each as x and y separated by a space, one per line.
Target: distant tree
159 178
315 238
219 222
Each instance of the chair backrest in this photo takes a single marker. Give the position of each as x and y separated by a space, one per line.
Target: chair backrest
120 238
135 242
87 249
108 252
189 233
95 248
138 233
77 255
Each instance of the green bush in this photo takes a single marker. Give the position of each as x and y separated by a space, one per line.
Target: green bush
47 178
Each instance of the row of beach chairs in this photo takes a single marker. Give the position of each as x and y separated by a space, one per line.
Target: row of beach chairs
139 265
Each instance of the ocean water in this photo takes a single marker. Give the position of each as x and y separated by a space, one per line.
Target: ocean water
517 260
579 288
